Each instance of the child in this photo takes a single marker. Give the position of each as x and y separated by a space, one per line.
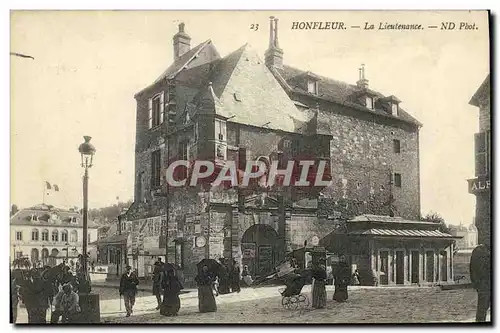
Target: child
216 286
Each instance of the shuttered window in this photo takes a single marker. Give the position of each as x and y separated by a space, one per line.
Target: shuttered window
483 152
220 129
156 106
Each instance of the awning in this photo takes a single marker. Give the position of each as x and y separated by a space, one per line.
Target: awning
403 233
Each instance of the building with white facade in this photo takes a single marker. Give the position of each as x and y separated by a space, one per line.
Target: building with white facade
48 235
468 234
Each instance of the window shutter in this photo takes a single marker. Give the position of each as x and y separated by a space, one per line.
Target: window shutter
162 106
150 115
481 148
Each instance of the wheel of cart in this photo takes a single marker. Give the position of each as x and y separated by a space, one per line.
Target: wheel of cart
292 302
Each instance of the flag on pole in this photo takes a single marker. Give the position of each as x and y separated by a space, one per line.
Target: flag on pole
21 55
56 188
47 185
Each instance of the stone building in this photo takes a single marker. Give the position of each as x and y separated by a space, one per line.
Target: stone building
48 235
468 234
481 184
241 108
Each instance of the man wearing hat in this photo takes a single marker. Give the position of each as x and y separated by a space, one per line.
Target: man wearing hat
128 288
157 281
66 305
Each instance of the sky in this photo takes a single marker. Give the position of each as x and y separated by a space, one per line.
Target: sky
88 66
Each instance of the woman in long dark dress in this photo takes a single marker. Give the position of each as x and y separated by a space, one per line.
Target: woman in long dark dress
206 299
172 287
342 276
319 289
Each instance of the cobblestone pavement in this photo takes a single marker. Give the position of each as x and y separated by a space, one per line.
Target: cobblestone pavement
263 305
365 305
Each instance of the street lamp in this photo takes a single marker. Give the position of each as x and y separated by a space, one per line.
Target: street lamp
87 152
89 303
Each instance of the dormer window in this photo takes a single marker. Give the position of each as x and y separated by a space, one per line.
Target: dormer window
34 218
311 80
369 102
395 109
312 87
390 104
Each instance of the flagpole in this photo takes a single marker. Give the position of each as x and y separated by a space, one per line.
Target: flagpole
43 194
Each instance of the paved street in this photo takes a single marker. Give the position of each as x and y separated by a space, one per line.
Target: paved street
367 305
263 305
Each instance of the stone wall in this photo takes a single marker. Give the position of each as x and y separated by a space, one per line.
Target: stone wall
485 117
364 161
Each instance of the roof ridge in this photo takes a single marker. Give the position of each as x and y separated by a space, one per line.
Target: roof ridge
343 88
176 63
203 45
319 75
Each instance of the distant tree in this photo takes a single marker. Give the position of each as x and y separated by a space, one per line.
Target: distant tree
109 213
436 218
13 209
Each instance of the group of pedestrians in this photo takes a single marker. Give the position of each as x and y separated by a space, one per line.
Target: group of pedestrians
228 278
64 305
342 278
166 287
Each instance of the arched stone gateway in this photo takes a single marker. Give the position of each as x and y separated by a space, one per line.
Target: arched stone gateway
259 248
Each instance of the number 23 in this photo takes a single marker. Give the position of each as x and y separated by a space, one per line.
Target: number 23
254 26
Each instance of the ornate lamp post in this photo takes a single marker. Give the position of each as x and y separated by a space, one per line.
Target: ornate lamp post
89 303
87 152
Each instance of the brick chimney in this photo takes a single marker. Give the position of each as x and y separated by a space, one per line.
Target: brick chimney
182 42
362 82
274 55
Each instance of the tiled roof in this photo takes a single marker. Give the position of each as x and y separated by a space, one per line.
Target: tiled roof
386 219
335 91
178 65
402 233
64 217
247 92
483 90
182 61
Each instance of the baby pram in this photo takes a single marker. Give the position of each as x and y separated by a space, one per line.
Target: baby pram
292 294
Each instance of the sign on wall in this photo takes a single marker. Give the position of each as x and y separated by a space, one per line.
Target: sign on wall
248 250
479 184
